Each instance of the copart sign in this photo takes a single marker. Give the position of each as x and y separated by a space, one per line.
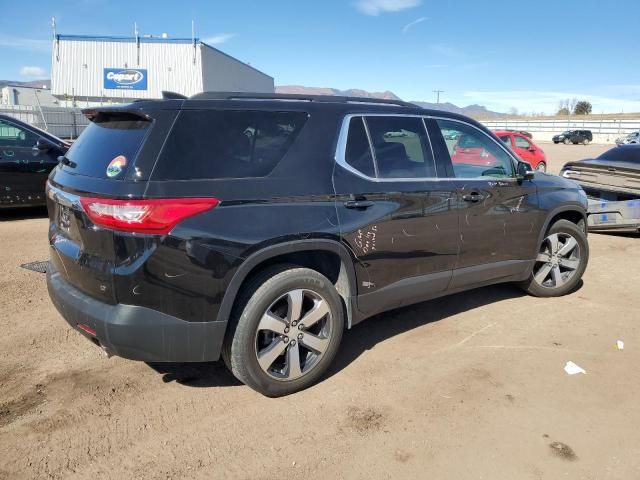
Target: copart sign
125 79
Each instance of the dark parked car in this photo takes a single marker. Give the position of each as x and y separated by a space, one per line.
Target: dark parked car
574 136
612 183
27 155
259 227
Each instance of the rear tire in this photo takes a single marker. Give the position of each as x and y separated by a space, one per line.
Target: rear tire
561 261
585 141
285 330
567 141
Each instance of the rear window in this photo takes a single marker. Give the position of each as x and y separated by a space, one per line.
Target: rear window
211 144
108 146
629 154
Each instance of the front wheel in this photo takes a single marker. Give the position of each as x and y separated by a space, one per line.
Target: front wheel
541 167
285 331
560 263
567 141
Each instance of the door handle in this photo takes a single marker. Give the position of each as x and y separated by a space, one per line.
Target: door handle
472 197
358 204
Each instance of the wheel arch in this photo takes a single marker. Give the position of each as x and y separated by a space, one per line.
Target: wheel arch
305 253
574 213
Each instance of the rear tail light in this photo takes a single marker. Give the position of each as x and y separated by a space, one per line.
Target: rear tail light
157 216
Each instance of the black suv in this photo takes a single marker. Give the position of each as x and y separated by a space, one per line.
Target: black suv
574 136
259 227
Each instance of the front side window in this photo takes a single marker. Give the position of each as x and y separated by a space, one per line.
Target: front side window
521 142
506 139
475 154
11 135
213 144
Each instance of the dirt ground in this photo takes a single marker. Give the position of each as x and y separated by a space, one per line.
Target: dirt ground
466 387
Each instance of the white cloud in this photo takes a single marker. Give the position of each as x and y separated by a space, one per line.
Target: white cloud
25 43
547 101
33 72
375 7
406 28
218 38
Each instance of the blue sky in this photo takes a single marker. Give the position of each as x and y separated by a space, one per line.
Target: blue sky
501 54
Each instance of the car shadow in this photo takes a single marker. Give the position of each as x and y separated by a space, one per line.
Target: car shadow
379 328
22 213
201 374
356 341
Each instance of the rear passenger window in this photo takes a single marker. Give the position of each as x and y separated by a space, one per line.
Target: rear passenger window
401 147
358 153
210 144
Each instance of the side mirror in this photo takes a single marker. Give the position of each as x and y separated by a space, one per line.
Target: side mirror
532 149
524 171
42 145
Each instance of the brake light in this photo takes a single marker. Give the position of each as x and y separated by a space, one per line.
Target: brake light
157 216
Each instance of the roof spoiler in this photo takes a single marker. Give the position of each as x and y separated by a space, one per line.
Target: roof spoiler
166 95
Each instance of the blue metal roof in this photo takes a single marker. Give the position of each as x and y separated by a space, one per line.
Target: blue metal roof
107 38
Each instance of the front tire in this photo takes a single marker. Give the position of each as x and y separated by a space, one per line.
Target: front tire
285 330
541 167
585 141
567 141
560 263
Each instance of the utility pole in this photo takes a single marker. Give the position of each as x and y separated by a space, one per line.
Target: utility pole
438 92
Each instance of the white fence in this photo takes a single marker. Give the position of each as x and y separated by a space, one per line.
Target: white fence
604 131
62 122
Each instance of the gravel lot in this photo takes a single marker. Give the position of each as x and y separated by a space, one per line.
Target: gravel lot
466 387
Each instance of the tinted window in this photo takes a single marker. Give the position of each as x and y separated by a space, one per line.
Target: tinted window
630 154
521 142
401 147
15 136
358 153
207 144
108 136
506 140
475 154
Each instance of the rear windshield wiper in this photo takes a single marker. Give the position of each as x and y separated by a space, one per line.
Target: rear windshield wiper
65 161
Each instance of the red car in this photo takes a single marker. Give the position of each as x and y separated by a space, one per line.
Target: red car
524 148
468 152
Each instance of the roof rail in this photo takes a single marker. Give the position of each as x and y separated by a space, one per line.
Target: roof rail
166 95
298 97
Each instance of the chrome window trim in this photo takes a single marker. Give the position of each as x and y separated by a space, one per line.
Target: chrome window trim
340 155
341 149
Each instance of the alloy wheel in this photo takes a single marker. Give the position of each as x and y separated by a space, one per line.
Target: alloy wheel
293 334
558 260
541 167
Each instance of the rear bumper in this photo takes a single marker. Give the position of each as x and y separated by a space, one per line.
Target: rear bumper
134 332
603 215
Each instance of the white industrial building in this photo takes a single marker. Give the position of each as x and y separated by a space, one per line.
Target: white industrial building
89 70
11 95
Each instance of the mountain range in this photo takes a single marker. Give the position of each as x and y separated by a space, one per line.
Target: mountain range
477 111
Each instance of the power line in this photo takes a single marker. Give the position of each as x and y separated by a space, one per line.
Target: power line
438 92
